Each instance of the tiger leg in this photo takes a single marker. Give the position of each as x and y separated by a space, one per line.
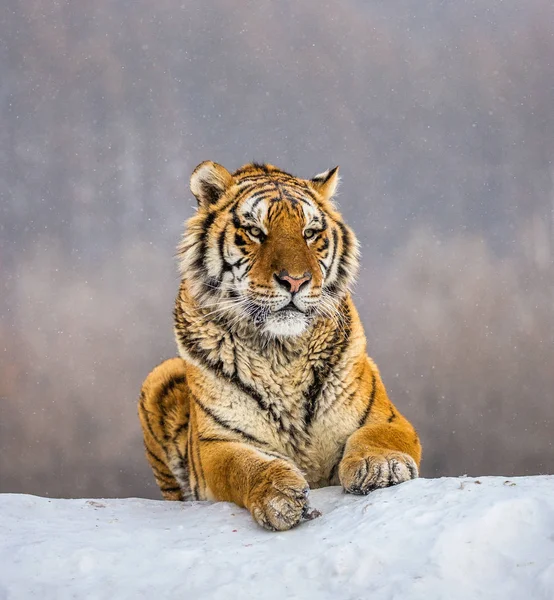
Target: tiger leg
164 416
380 455
270 487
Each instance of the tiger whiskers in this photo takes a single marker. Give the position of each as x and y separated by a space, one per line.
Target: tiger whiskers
227 306
328 308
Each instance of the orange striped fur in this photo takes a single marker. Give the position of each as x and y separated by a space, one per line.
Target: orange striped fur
273 393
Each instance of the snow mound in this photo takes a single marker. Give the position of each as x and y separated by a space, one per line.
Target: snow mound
430 539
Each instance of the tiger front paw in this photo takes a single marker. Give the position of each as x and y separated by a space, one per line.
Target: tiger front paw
376 470
279 499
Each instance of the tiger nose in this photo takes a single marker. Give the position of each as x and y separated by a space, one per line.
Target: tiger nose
292 284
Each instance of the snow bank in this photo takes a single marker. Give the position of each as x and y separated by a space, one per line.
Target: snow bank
444 538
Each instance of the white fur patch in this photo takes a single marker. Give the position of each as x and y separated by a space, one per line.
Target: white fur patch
285 324
259 212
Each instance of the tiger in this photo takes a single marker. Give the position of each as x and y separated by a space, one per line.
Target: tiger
273 393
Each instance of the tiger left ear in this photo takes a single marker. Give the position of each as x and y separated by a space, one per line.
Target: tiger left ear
209 181
327 183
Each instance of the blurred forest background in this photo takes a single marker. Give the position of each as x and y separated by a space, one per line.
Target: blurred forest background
441 116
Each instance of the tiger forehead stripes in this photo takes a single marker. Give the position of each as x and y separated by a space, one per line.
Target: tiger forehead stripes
273 392
272 242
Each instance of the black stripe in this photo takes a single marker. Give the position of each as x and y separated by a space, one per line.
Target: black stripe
161 478
322 369
259 197
227 204
292 199
276 454
214 440
199 264
342 274
247 270
296 195
254 179
392 415
324 245
161 423
245 191
222 423
239 240
192 468
243 169
279 189
245 251
201 241
182 457
167 479
337 285
246 389
155 457
238 263
335 247
197 352
148 424
346 242
335 467
210 283
371 399
182 427
170 489
169 386
261 167
346 257
307 190
202 477
221 248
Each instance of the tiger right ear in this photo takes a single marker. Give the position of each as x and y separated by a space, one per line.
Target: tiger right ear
327 183
209 181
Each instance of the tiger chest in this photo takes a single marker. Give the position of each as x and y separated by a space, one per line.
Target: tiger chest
311 432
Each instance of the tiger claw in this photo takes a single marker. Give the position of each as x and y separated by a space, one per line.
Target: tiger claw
309 514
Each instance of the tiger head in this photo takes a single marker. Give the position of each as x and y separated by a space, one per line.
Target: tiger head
266 248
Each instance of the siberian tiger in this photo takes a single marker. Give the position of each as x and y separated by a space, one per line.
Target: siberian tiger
273 393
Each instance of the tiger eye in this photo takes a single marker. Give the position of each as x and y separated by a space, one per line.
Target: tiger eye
256 231
309 233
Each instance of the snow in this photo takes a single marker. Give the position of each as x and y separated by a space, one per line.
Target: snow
429 538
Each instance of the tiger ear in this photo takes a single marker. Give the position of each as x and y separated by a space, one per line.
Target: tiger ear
327 183
209 181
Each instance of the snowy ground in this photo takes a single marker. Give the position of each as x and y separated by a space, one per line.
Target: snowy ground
444 539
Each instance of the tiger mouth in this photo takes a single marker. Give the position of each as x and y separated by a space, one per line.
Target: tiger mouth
290 308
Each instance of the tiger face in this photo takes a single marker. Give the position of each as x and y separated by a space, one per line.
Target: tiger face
266 248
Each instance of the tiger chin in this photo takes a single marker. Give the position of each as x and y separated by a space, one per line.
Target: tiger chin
273 393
